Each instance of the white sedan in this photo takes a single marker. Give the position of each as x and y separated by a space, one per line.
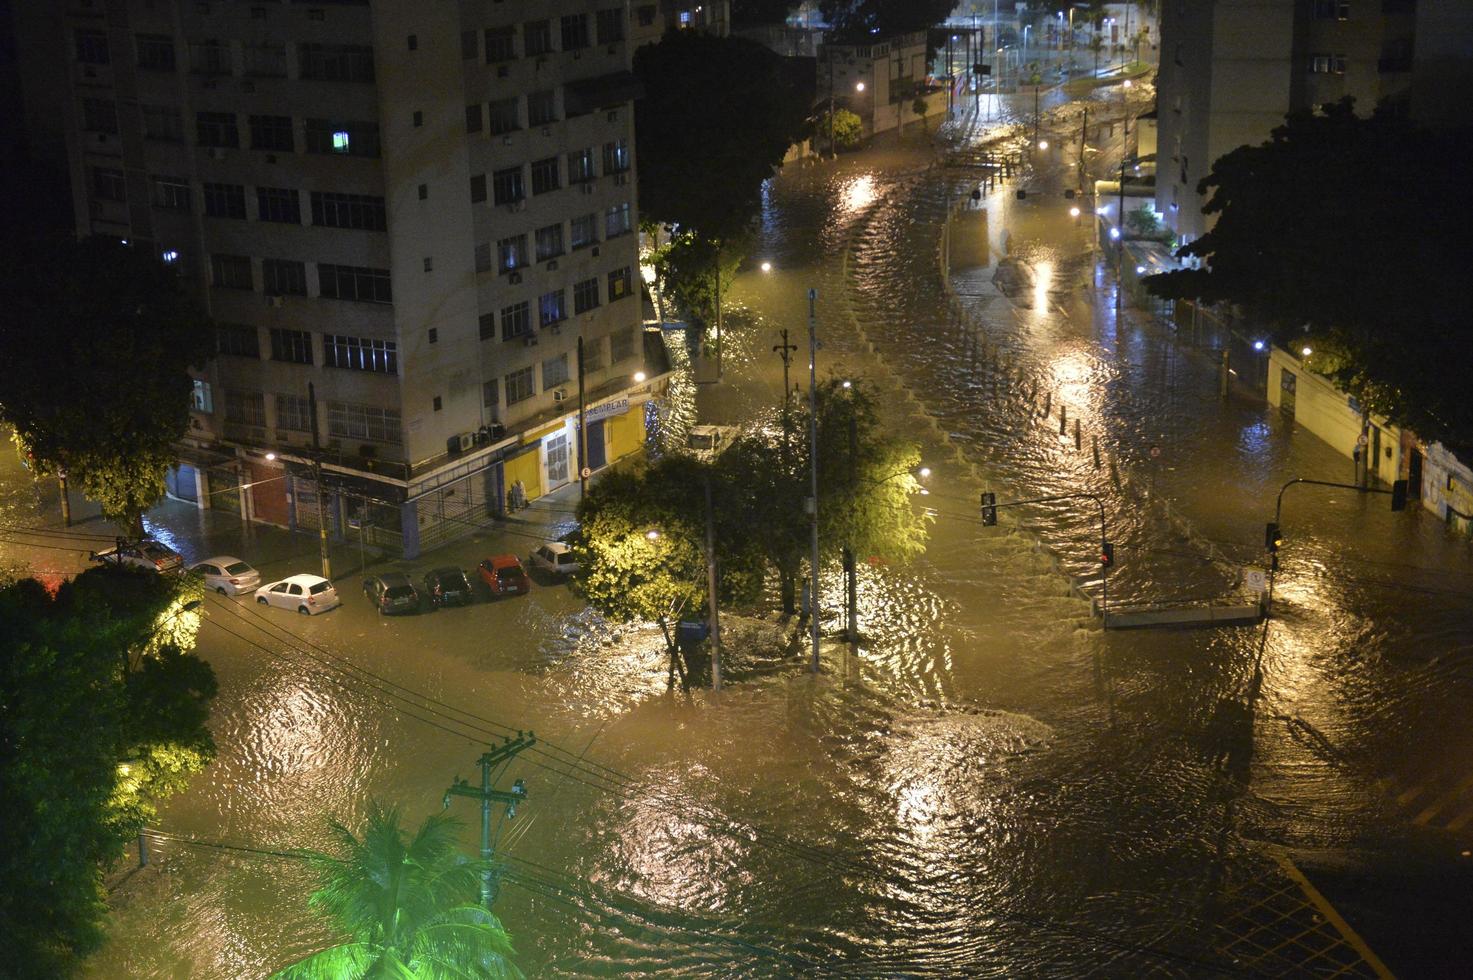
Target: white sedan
227 575
307 594
554 557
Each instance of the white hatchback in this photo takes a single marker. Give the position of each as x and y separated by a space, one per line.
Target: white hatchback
554 557
307 594
227 575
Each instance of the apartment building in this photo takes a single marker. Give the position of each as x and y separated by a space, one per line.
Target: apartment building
408 219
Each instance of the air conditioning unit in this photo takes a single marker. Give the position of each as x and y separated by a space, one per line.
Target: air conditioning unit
276 301
515 278
467 441
529 339
559 394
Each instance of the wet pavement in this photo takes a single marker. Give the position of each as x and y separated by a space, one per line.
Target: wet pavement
989 784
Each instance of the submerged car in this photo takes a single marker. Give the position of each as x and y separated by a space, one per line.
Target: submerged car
307 594
392 593
227 575
448 587
505 575
146 554
555 557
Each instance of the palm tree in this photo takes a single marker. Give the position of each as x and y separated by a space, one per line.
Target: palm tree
408 907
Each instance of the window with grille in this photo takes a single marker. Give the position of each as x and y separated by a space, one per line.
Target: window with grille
170 193
245 407
335 62
593 355
361 211
283 277
209 58
353 282
551 308
237 340
502 116
545 176
621 346
92 47
294 413
541 108
575 32
354 139
516 321
537 37
278 204
520 385
554 371
265 59
511 253
360 354
163 123
108 184
216 129
1332 9
580 166
549 242
618 221
486 326
1327 64
100 116
272 133
507 186
584 230
225 200
611 25
621 284
585 295
291 346
155 52
363 422
231 272
501 44
616 157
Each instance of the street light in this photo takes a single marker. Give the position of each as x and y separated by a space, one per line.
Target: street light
652 534
1074 212
639 377
766 266
1306 352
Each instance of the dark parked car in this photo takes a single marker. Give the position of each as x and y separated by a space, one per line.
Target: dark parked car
392 592
448 587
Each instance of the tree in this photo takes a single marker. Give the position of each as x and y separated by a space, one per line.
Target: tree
98 344
407 905
688 265
844 128
1338 227
88 747
921 107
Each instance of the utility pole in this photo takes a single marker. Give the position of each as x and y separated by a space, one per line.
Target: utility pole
66 501
711 599
720 340
582 426
1083 138
1120 245
851 576
317 479
813 472
496 755
1036 89
786 350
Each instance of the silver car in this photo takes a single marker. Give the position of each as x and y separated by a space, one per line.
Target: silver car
227 575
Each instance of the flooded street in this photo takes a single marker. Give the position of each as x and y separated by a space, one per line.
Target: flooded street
990 784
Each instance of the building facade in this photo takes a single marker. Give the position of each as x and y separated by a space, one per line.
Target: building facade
406 220
877 81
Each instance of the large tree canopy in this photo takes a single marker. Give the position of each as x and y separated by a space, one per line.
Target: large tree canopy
1347 230
98 340
716 119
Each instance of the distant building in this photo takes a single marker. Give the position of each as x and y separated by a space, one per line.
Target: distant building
876 80
650 20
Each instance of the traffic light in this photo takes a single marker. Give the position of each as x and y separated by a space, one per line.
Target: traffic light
1399 495
989 509
1107 554
1272 538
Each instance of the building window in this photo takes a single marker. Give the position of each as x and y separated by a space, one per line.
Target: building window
483 256
501 44
237 340
360 211
516 321
265 59
646 14
437 403
549 242
291 346
216 129
554 371
478 188
100 116
520 385
575 32
1327 64
491 396
511 253
272 133
551 308
611 25
473 116
155 52
541 108
335 62
621 284
502 117
354 139
545 176
507 186
621 346
616 157
593 356
278 204
108 184
225 200
92 47
580 166
584 231
231 272
203 399
171 193
294 413
468 45
354 283
163 123
360 354
209 58
363 422
283 277
486 326
618 220
245 407
585 295
1332 9
537 37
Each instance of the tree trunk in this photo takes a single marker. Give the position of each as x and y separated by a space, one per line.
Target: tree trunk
788 586
66 501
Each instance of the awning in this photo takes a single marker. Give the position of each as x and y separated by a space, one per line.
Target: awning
601 92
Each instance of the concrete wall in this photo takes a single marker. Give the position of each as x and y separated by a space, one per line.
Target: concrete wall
1447 486
1329 413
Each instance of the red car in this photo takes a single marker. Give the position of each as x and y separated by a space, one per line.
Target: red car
505 575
